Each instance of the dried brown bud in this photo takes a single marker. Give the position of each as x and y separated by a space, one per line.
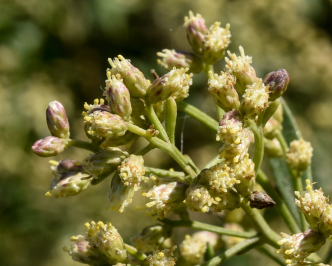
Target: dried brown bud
260 200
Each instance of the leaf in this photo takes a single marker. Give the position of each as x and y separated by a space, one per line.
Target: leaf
284 181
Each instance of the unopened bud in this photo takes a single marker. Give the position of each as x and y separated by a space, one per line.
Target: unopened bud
196 31
104 161
240 68
118 96
108 241
222 87
260 200
171 83
192 251
299 154
68 165
163 199
297 247
49 146
151 238
216 41
180 59
120 196
277 82
68 184
272 128
132 77
255 100
57 120
273 148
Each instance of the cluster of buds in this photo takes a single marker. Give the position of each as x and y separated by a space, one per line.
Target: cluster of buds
299 155
58 126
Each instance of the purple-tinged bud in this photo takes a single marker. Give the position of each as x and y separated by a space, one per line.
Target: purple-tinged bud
68 165
134 79
215 43
104 161
118 96
180 59
222 87
176 83
57 120
196 31
277 82
49 146
68 184
82 251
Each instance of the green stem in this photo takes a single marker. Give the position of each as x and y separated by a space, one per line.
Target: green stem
135 253
244 245
198 115
83 145
162 172
164 146
156 122
170 118
270 236
259 144
328 255
145 150
271 254
208 227
263 180
282 142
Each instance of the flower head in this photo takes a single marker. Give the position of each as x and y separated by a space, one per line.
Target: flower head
161 258
199 199
132 170
299 154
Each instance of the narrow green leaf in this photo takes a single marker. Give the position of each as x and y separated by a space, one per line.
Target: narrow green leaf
285 185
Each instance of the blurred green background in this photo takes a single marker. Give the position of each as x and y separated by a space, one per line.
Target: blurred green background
58 50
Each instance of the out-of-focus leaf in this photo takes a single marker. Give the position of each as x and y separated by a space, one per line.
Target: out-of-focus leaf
285 185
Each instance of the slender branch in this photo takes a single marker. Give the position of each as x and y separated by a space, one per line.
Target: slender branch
83 145
156 122
145 150
271 254
259 144
244 245
280 204
208 227
198 115
270 236
328 255
135 253
170 118
162 172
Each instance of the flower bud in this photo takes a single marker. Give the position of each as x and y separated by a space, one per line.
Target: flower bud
49 146
229 200
100 123
127 139
57 120
240 68
161 258
68 165
255 100
260 200
81 251
104 161
299 154
230 127
118 96
231 241
199 198
180 59
174 82
277 82
151 238
216 41
68 184
244 172
297 247
196 31
165 198
272 128
132 170
273 148
222 87
108 241
134 79
325 222
192 251
120 196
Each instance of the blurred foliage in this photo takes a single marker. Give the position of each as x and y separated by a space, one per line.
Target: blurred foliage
58 50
